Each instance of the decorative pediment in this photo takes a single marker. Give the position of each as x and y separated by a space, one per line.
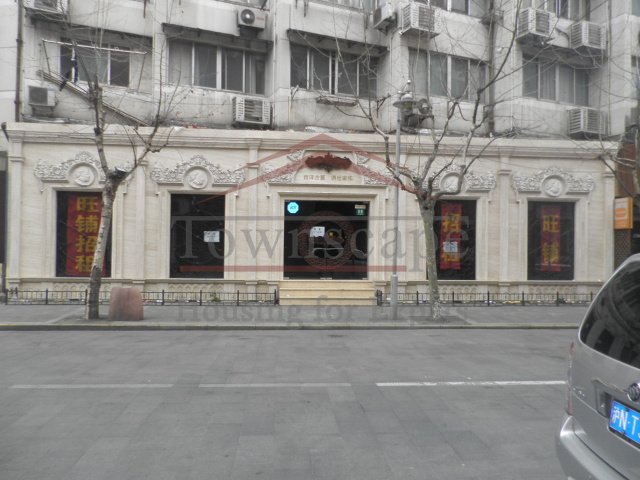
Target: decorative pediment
198 173
448 179
83 170
554 182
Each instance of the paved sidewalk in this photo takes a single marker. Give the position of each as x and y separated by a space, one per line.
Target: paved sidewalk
61 317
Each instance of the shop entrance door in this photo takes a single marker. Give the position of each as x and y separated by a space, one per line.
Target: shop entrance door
326 240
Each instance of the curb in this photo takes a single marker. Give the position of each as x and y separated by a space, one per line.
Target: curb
126 326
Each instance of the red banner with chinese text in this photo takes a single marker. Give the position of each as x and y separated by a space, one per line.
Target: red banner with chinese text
450 235
550 238
83 223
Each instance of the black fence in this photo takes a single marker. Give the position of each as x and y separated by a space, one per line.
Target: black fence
163 297
200 297
489 298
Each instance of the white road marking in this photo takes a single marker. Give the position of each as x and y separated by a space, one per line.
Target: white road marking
471 383
274 385
79 386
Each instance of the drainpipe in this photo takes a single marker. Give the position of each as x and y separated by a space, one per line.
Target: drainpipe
492 59
19 44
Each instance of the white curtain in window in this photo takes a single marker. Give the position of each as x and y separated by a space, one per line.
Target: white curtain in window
321 70
438 74
459 77
418 71
566 91
205 67
232 70
547 81
347 74
180 63
582 87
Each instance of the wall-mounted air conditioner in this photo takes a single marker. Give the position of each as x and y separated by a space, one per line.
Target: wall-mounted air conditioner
383 16
53 6
41 97
251 111
585 121
587 34
252 18
535 23
419 18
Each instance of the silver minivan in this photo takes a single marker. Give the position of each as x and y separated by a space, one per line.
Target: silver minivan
600 434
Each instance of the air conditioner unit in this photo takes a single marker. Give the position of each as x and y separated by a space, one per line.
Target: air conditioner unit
419 18
251 111
383 16
587 34
585 121
252 18
536 23
53 6
41 97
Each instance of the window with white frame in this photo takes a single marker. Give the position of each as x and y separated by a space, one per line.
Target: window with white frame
460 6
546 80
210 66
446 75
573 9
332 72
108 65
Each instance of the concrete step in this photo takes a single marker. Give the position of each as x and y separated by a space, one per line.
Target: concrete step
327 292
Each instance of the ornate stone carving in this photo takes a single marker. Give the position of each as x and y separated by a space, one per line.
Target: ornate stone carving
81 169
373 177
472 182
296 156
360 158
554 182
197 172
286 177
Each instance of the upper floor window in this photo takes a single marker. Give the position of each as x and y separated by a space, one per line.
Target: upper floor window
108 65
446 75
461 6
206 65
360 4
635 7
547 80
573 9
332 72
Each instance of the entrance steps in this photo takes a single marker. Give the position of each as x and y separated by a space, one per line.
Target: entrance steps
327 292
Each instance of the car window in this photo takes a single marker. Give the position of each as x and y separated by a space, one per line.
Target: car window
612 326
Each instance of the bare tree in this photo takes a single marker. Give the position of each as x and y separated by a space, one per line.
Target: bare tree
144 138
420 180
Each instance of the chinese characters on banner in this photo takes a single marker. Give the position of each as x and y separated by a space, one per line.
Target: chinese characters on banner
550 238
450 235
83 222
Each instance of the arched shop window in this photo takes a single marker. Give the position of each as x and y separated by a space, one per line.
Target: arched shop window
455 230
551 241
197 236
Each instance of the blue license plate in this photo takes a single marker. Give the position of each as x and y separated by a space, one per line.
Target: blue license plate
625 421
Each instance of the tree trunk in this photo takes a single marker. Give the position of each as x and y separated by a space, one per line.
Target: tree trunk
427 212
92 311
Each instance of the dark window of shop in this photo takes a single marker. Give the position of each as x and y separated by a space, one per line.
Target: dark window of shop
551 241
455 230
197 236
78 222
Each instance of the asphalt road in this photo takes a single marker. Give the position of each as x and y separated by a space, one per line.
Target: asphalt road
279 405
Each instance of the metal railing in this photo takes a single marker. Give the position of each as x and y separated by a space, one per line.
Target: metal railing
488 298
164 297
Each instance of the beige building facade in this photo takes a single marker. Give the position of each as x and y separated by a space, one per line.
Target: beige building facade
273 175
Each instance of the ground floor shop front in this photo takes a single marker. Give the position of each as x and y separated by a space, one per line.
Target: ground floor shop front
308 215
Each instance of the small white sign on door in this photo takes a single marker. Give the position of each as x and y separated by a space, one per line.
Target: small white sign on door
316 232
212 236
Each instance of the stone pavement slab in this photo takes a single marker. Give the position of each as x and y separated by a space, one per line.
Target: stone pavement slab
295 317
